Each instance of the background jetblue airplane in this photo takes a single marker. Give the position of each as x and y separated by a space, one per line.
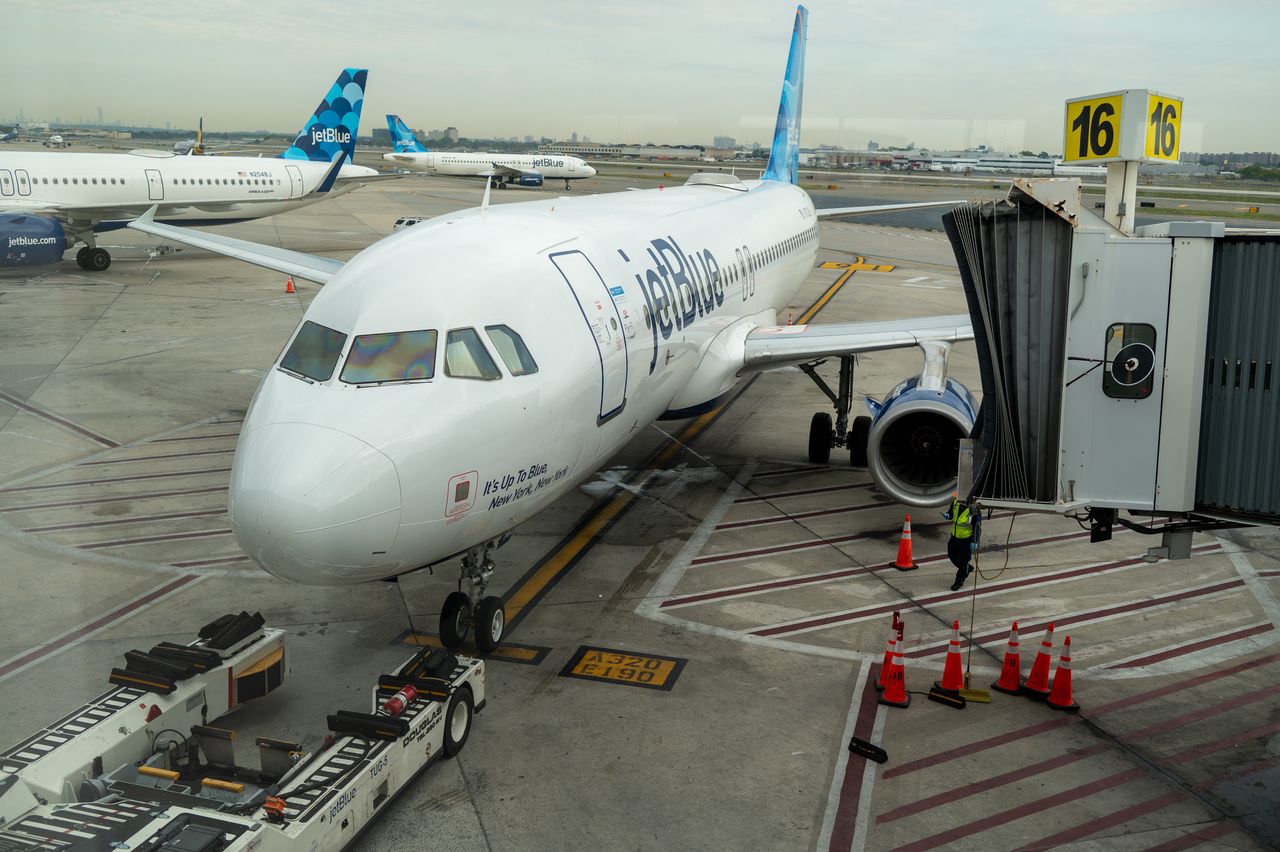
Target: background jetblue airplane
500 169
432 399
49 202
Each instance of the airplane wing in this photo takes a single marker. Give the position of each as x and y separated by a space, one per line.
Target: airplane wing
380 176
778 346
507 171
832 212
309 266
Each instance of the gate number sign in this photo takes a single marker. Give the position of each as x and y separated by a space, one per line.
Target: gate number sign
1133 124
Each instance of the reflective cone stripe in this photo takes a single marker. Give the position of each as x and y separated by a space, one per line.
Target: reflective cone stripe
904 562
1037 684
952 674
1060 697
1011 672
895 690
883 680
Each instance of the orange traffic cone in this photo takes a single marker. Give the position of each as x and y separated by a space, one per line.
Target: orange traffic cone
1037 684
904 561
895 688
288 285
888 653
1010 681
952 675
1060 696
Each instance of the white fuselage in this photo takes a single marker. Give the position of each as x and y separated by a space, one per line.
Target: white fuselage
188 189
480 164
634 306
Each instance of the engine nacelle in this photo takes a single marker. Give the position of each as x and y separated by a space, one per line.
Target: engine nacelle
529 180
914 444
30 240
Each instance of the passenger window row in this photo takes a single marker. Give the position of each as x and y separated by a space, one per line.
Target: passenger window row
93 181
405 356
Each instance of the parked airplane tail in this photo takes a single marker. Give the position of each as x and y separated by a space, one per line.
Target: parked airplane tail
784 156
402 138
332 129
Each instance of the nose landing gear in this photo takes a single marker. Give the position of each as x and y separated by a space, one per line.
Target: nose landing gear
458 616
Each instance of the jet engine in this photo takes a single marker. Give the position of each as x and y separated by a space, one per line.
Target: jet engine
914 442
529 180
30 240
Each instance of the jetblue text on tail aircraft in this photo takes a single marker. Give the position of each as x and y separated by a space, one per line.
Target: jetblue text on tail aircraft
455 378
51 201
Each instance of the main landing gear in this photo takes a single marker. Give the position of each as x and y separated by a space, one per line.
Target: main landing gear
499 183
459 616
823 435
93 259
566 184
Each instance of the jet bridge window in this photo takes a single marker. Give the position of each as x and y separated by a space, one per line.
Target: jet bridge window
466 358
511 350
403 356
314 352
1130 361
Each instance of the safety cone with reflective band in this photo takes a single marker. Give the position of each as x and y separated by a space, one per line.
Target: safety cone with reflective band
895 688
1010 681
1037 683
288 285
952 674
888 653
1060 696
904 561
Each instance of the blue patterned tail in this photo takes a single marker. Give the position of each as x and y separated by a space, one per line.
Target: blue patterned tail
402 138
784 156
332 129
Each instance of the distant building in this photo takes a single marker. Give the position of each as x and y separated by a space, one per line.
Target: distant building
724 142
382 137
873 145
573 137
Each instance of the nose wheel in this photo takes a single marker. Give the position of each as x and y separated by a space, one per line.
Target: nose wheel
459 617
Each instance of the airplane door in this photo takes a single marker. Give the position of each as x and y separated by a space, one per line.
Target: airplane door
24 182
155 185
296 189
6 182
573 164
601 315
431 161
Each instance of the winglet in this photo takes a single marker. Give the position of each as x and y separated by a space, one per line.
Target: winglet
784 156
332 175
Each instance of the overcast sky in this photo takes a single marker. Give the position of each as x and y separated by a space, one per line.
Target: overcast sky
935 73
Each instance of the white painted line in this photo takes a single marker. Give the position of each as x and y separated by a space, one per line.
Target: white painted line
921 286
917 279
1261 588
862 825
842 761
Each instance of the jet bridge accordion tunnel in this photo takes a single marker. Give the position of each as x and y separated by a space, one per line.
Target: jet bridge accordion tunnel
1125 378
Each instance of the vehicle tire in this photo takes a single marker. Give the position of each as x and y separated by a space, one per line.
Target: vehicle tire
490 621
457 721
82 258
455 620
857 441
98 260
820 438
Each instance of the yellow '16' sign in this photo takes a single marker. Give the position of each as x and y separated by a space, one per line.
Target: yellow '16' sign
1093 128
1132 124
1164 127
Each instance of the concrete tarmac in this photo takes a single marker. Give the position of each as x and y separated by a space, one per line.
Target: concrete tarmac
766 579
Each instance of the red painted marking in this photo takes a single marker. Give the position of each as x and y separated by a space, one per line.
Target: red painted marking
61 421
1101 823
1180 650
201 563
101 621
844 824
194 438
759 498
1269 573
800 516
1226 742
150 539
1224 704
1238 772
91 501
157 457
138 519
783 471
1194 838
948 837
108 480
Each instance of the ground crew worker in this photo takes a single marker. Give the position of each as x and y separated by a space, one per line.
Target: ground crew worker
960 545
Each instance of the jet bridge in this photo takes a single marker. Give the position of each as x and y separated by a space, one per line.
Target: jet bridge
1121 373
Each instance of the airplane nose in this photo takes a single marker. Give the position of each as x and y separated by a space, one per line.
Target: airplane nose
314 505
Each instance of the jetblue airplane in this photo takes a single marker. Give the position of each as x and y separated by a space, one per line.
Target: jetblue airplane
457 377
49 202
500 169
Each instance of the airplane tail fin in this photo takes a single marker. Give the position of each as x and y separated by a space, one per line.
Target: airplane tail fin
402 138
784 156
332 129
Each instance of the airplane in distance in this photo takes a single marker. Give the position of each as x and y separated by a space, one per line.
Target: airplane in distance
11 135
49 202
500 169
56 141
432 399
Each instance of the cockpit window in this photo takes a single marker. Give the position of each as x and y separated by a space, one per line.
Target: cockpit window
511 350
314 352
402 356
466 358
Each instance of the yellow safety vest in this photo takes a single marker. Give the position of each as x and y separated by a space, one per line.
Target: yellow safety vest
961 520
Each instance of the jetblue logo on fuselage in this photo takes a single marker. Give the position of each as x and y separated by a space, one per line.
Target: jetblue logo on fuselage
31 241
678 288
547 162
330 134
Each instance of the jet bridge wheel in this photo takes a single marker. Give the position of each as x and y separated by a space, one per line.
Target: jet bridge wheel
820 438
857 441
455 620
457 721
490 621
